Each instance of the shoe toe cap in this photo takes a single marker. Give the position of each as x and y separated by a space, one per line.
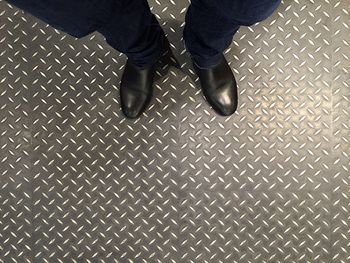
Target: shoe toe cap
226 109
224 101
133 104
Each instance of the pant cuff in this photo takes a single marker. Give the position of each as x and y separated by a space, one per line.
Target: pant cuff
202 61
152 59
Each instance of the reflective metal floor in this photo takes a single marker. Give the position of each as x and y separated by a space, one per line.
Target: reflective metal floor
80 183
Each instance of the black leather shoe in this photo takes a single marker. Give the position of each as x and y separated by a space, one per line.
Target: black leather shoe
136 87
219 87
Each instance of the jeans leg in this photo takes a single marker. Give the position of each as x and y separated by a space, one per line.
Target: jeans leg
77 18
133 30
210 25
128 25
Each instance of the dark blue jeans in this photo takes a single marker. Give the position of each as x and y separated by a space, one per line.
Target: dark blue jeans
131 28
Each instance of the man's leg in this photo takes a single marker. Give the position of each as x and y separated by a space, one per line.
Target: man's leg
77 18
133 30
210 26
129 27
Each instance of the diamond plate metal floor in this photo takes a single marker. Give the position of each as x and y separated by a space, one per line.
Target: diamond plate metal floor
80 183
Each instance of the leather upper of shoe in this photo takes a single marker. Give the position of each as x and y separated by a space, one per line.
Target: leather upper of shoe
219 87
136 89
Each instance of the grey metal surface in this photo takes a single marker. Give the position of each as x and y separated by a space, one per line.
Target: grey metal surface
80 183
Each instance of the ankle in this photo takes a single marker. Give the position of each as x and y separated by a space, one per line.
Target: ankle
140 66
209 64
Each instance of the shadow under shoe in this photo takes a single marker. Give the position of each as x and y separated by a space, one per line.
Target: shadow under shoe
219 87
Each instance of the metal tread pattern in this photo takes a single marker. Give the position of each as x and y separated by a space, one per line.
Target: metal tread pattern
80 183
